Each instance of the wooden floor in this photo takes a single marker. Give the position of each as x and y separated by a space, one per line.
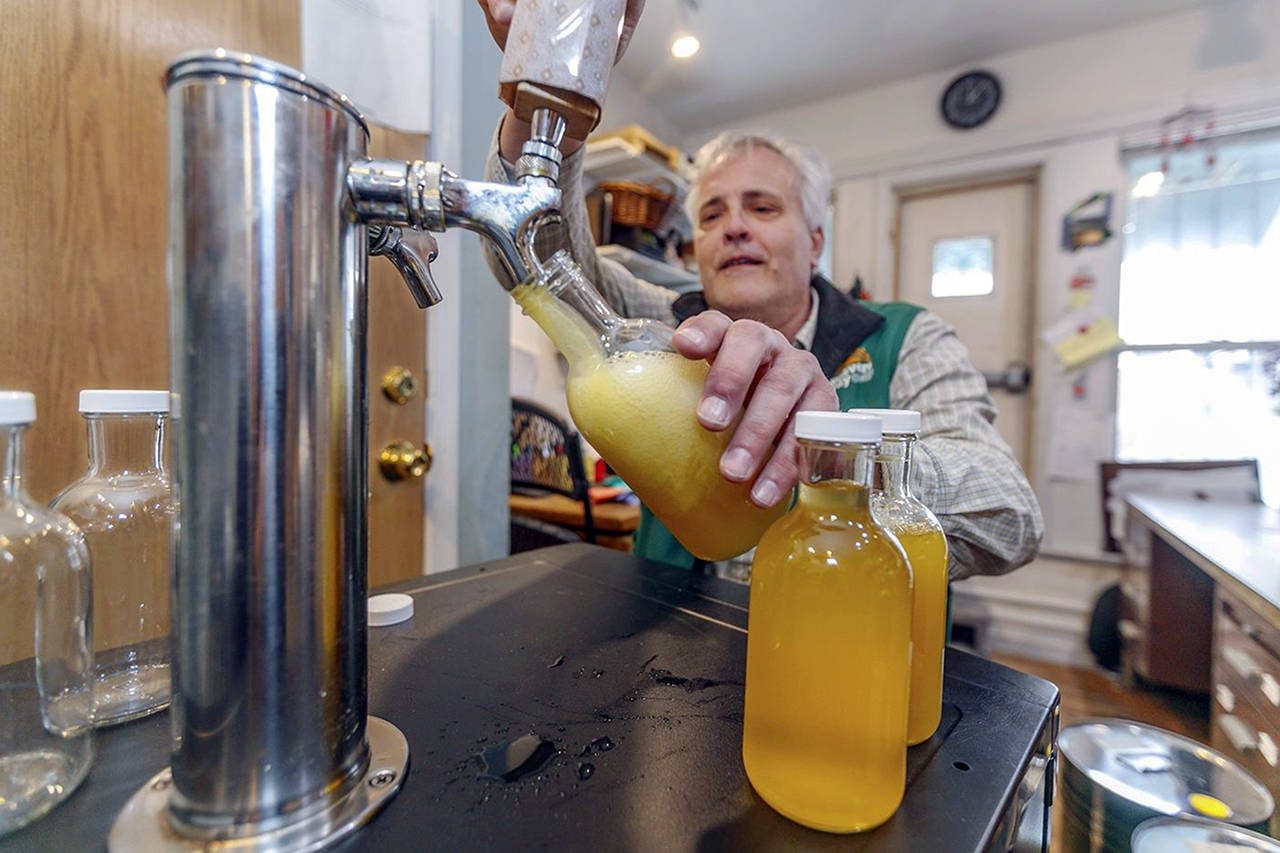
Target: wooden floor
1088 693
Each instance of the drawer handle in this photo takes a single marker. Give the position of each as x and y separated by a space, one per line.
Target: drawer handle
1267 747
1270 688
1241 662
1225 697
1241 737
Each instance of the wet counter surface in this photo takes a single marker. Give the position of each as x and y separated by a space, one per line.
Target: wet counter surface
628 676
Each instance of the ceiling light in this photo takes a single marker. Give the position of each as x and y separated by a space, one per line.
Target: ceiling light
685 46
1148 185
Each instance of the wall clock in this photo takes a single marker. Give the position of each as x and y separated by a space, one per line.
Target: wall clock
971 99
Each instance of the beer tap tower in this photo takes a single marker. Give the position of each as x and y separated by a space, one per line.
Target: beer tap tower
274 208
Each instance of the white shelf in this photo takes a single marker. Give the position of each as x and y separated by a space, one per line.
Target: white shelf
615 159
652 269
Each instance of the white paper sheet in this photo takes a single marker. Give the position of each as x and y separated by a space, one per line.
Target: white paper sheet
377 53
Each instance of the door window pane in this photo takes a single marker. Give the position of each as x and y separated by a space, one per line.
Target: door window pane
962 267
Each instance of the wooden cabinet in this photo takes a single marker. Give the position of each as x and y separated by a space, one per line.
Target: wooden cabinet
1166 613
1246 689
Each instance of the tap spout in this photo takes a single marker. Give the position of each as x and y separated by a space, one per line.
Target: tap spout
430 197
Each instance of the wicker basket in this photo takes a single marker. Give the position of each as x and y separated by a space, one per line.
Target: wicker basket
636 204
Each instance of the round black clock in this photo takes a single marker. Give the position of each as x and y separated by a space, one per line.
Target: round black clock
971 99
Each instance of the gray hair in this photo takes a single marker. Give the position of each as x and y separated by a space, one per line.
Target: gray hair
811 166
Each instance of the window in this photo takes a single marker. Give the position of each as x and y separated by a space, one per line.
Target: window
1199 377
962 267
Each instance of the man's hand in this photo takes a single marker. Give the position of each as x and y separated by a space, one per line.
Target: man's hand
751 358
497 14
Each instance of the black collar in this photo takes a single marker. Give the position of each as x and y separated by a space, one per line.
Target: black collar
843 324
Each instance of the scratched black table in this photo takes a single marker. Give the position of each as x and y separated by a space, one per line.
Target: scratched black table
633 672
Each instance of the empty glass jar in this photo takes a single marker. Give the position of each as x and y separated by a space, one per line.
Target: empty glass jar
122 504
46 651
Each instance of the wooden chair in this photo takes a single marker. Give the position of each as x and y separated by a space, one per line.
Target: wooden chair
546 458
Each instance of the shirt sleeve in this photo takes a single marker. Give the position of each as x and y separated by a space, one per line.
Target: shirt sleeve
962 468
629 295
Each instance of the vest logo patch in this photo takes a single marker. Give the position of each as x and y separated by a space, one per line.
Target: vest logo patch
857 368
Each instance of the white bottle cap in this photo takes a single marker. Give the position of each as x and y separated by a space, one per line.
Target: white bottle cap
894 420
389 608
838 426
101 401
17 407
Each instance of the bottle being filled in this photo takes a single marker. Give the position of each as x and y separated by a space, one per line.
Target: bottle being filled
634 398
922 538
122 503
828 653
46 643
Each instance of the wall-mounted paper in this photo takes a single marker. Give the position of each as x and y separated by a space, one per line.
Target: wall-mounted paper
377 53
1082 336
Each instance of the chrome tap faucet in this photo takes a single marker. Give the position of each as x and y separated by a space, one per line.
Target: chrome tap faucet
428 196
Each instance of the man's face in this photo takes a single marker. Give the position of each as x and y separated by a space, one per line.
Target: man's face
755 252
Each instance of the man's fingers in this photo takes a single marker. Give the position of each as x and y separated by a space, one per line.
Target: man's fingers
497 16
700 336
630 18
782 469
746 347
779 391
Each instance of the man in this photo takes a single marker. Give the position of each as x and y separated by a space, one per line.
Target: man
765 316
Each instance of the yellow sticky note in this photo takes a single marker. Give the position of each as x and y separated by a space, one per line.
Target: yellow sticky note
1078 299
1098 337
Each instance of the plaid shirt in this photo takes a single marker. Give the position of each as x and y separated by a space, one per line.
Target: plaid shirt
963 470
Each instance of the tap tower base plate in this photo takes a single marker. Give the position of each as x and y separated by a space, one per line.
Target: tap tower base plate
143 824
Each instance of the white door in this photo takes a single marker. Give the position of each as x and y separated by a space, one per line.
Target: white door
965 254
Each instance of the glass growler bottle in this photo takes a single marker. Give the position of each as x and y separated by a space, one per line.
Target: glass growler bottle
46 648
122 503
829 646
922 538
634 398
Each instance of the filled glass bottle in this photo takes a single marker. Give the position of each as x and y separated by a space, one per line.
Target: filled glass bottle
926 545
829 645
46 647
122 503
634 398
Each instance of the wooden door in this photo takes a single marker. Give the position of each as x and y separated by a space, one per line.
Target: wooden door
965 254
82 230
83 297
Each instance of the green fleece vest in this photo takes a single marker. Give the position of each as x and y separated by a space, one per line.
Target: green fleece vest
862 382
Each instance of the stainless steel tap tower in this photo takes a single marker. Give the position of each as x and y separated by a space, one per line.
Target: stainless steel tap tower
274 208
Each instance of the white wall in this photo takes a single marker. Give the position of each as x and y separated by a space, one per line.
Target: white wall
1122 78
627 105
1068 109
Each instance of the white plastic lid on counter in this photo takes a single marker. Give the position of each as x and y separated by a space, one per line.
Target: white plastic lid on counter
894 420
103 401
389 608
17 407
838 426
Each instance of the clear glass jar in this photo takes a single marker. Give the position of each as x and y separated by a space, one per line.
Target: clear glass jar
922 538
828 651
634 398
46 647
123 505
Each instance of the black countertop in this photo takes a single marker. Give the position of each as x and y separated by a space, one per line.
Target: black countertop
578 644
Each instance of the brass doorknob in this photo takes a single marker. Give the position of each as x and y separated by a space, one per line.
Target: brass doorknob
399 384
404 460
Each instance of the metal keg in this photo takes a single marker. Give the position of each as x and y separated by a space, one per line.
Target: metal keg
1165 834
1118 773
